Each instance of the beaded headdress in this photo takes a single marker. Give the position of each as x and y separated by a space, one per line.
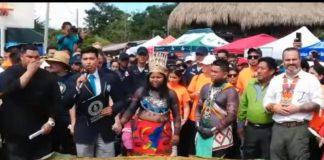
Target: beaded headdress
158 62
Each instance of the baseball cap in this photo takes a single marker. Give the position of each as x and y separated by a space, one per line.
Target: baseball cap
202 51
190 58
75 59
142 51
242 61
209 60
123 56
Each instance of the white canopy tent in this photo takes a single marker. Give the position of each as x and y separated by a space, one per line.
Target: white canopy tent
152 42
274 49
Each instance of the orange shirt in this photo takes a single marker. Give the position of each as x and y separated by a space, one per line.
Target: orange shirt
243 78
182 94
197 82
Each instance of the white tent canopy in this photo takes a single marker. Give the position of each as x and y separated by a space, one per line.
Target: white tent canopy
274 49
152 42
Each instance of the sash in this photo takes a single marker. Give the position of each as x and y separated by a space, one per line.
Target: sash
222 138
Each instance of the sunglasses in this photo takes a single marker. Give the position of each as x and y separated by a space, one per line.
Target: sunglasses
231 75
254 57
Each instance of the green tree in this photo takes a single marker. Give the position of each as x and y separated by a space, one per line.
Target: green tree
152 22
38 25
101 16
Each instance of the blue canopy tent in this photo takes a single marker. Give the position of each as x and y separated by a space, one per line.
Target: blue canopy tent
319 47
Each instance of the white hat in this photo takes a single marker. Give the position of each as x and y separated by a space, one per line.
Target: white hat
190 58
209 59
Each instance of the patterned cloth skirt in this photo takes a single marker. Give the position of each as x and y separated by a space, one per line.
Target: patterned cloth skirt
151 138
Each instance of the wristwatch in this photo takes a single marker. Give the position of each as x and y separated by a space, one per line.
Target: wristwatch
51 123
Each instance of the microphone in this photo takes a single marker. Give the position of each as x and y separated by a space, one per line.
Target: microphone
83 72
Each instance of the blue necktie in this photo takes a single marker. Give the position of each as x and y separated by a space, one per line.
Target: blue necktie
92 80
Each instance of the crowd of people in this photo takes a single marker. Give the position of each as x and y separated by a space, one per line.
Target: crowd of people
90 104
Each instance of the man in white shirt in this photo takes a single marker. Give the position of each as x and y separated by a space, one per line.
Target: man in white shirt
292 97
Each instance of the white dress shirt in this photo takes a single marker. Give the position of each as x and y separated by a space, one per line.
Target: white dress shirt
97 81
307 89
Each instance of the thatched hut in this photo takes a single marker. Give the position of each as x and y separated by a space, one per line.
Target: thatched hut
249 18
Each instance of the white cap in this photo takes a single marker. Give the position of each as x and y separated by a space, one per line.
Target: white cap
190 58
209 59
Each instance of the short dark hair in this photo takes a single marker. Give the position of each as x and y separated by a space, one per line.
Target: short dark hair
90 49
232 56
256 50
233 69
315 54
28 46
50 47
222 63
271 63
223 51
65 24
304 65
15 56
290 49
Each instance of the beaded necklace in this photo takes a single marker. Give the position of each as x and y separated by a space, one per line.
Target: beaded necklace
288 90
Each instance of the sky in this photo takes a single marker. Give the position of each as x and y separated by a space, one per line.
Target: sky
60 12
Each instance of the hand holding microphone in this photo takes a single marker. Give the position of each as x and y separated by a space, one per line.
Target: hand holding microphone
82 79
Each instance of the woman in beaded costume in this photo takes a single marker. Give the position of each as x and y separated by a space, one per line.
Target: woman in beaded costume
151 130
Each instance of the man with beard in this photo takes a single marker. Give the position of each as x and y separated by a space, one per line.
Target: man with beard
257 133
292 97
216 113
62 138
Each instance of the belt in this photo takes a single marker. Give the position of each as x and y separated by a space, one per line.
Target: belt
292 123
260 125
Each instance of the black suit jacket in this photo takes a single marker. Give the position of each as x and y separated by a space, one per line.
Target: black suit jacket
85 133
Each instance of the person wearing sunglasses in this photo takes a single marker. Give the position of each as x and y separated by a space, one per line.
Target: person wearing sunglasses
232 76
249 73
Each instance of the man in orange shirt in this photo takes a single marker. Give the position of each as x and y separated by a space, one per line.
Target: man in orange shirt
197 82
249 73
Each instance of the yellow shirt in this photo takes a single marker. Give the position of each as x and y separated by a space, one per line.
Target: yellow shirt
243 78
197 82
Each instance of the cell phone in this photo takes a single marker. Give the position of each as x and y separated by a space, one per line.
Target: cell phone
298 37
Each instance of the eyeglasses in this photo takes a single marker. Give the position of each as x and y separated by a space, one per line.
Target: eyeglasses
231 75
254 57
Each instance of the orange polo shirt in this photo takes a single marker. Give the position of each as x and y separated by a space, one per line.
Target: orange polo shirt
182 94
243 78
197 82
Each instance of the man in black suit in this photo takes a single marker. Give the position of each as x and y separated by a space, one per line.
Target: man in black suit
98 100
30 97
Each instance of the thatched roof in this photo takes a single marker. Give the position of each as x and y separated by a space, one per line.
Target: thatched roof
247 15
